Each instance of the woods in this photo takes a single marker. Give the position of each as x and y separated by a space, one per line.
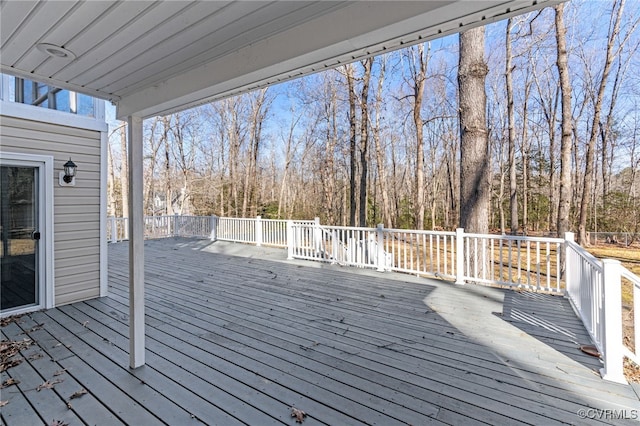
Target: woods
383 140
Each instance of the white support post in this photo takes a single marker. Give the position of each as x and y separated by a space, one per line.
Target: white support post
290 239
136 244
213 236
380 257
459 256
567 267
176 231
612 340
317 236
258 231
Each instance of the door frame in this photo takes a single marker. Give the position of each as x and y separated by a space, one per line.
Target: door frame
46 284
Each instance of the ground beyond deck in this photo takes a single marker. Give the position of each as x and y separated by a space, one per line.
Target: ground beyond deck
238 335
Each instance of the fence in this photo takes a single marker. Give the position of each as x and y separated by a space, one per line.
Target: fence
553 265
161 227
626 238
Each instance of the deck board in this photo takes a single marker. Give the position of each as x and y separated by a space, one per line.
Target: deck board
237 334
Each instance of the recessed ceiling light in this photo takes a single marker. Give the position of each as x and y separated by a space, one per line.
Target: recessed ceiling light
55 51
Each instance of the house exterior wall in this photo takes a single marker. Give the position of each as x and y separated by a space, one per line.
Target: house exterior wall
79 212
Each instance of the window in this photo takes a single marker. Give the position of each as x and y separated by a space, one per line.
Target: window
15 89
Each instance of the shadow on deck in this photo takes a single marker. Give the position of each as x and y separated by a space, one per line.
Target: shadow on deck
238 335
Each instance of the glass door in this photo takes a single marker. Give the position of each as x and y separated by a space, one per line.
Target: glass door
19 271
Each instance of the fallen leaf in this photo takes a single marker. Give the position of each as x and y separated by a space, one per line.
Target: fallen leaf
60 372
59 423
49 384
5 365
298 414
9 382
9 350
3 403
35 356
8 320
34 328
78 394
69 406
84 324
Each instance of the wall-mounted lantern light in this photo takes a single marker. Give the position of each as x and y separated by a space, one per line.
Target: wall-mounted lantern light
68 176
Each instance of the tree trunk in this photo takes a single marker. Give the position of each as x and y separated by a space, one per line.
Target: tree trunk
419 71
474 153
525 160
564 204
380 153
364 141
513 183
353 166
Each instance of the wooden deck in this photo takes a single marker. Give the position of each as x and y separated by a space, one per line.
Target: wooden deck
238 335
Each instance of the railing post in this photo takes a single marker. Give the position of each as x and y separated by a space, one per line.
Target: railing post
213 236
290 239
567 267
258 231
459 256
612 340
380 257
317 236
176 231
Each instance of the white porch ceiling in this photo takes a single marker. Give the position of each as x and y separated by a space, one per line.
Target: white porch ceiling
157 57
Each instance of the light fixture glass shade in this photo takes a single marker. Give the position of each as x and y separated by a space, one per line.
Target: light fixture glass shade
69 170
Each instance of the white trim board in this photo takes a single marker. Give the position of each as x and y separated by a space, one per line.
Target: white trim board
29 112
45 213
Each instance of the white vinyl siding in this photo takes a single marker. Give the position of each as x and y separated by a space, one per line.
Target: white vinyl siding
77 210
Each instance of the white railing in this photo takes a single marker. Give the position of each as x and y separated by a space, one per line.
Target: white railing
161 227
632 349
273 232
117 229
585 290
530 263
192 226
269 232
594 288
358 247
236 230
553 265
420 252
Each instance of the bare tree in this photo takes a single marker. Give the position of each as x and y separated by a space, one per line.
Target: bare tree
612 53
387 216
364 140
418 60
353 165
513 182
474 153
564 204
